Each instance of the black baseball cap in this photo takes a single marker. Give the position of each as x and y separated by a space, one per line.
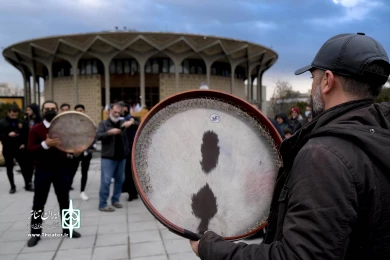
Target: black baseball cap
349 55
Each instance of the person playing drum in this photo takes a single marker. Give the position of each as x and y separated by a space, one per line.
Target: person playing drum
50 167
332 196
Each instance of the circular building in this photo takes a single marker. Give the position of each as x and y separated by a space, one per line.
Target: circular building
96 69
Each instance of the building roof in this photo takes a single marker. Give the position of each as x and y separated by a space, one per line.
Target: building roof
119 44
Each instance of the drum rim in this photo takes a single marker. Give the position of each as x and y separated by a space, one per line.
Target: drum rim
185 95
71 112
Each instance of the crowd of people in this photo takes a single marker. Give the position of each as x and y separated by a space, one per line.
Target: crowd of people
42 163
288 126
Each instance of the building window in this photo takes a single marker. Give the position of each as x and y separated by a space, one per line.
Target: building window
165 67
112 67
172 68
89 68
148 67
186 66
155 67
200 70
94 67
213 71
119 67
193 69
82 68
134 67
126 67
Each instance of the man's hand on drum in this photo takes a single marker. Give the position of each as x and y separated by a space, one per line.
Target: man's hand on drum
195 246
13 134
77 152
128 123
52 142
114 131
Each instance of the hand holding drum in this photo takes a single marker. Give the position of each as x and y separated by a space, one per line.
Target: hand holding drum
206 160
72 132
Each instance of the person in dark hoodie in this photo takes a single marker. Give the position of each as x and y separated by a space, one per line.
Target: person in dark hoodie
332 195
13 147
282 120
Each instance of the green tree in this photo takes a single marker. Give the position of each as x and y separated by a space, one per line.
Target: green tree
384 96
301 106
282 99
4 110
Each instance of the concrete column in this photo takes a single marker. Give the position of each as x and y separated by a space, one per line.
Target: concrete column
177 63
74 61
142 58
25 91
208 73
209 62
75 80
260 89
249 88
50 72
142 80
28 100
107 81
39 92
232 72
34 87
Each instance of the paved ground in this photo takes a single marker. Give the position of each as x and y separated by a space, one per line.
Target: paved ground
128 233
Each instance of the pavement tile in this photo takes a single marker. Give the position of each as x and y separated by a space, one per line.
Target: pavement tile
131 232
79 254
7 248
156 257
143 225
112 239
44 245
145 236
180 245
78 243
36 256
146 249
183 256
111 252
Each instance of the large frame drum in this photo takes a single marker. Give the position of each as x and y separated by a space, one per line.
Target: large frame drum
206 160
75 130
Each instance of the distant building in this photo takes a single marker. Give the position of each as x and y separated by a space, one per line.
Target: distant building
6 90
96 69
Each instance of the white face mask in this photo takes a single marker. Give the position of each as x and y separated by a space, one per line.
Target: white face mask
114 119
307 113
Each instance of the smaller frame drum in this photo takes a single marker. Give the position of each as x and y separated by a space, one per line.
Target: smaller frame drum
206 160
75 130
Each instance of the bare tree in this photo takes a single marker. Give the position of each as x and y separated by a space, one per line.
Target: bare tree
283 96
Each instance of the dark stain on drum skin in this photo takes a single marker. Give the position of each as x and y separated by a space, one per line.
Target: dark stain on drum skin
210 151
204 206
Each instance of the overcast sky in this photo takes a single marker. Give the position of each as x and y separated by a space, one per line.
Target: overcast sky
295 29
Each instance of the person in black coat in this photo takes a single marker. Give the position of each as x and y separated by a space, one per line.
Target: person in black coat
85 160
128 185
14 147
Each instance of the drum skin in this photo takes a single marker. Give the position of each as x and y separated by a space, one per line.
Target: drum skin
208 169
75 130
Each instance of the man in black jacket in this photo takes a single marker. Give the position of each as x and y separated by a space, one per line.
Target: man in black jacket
13 147
332 196
113 134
